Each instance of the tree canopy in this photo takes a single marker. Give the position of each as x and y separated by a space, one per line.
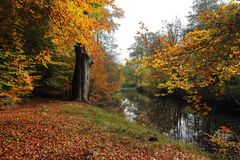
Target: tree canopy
36 33
204 58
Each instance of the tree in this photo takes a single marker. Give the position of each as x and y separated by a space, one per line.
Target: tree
199 6
40 30
80 82
106 72
173 30
147 43
17 57
129 73
189 63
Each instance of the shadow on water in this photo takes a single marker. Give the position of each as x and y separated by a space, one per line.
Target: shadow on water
166 115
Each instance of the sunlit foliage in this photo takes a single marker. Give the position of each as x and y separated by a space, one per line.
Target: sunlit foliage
31 31
203 58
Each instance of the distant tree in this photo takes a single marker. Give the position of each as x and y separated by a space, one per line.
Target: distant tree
129 74
106 72
199 6
147 43
173 30
109 45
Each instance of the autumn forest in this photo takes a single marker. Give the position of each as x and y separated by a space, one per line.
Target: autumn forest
65 93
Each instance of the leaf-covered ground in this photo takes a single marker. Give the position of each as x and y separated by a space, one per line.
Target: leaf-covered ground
70 130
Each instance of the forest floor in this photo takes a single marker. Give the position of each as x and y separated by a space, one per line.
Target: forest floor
71 130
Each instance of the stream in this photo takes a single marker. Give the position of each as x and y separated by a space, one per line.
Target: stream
166 115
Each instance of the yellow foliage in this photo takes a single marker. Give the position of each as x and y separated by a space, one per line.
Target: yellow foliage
67 21
203 58
223 137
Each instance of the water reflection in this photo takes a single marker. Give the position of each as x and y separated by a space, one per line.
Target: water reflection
129 109
166 115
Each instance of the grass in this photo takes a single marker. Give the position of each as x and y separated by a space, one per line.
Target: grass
72 110
109 121
114 122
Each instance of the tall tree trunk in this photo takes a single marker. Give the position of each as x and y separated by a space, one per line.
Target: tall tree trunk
85 83
77 80
80 83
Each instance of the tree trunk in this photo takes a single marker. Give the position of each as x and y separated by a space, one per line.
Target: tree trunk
77 80
80 84
85 83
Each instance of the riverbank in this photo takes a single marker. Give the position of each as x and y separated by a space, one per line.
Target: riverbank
70 130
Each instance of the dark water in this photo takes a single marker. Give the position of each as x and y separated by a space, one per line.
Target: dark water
167 116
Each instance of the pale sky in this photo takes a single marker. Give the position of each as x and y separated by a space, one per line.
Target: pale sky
151 13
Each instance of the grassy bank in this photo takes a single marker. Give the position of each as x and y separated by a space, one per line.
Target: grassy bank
69 130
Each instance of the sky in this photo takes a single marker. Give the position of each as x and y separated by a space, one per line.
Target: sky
151 13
